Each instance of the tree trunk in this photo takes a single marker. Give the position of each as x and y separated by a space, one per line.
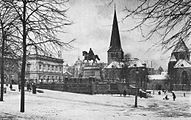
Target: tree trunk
23 59
2 62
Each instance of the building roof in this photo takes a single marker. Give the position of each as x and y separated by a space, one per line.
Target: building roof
182 64
115 64
136 63
44 58
162 76
115 43
67 73
172 58
181 47
157 77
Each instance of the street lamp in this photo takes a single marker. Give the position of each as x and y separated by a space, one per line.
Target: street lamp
136 86
143 85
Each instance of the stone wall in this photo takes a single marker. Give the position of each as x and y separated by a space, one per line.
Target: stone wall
90 88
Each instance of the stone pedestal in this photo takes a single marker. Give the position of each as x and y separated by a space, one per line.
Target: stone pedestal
92 71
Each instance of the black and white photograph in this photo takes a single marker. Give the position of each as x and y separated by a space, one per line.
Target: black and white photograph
95 60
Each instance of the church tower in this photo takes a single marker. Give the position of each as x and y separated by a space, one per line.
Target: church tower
115 52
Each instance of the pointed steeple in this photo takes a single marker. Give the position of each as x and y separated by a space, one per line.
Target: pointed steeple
115 52
115 43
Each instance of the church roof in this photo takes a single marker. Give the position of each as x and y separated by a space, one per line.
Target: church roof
181 47
182 64
115 43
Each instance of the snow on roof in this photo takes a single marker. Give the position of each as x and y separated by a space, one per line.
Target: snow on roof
136 63
172 58
182 64
115 64
158 77
67 73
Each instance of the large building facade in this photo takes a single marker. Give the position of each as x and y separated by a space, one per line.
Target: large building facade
179 67
40 68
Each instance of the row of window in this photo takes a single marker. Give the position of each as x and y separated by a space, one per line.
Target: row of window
49 77
50 67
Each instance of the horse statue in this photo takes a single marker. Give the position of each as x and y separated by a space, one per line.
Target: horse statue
90 56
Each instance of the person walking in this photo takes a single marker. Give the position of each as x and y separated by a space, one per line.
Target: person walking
174 96
11 87
124 93
33 88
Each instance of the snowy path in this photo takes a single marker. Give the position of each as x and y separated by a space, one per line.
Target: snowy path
55 105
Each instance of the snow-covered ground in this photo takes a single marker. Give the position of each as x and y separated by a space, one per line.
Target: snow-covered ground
55 105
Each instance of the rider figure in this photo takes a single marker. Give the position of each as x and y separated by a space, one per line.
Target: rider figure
91 53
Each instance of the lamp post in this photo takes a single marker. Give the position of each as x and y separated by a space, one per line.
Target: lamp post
143 85
136 86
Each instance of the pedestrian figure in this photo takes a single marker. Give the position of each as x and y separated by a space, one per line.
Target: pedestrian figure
124 93
184 95
174 96
34 88
28 87
159 93
166 98
11 87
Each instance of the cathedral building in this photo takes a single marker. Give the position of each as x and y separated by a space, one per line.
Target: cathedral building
179 67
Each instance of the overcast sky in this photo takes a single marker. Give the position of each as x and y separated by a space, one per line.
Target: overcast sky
92 29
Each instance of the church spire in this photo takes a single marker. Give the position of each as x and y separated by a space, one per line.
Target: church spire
115 43
115 52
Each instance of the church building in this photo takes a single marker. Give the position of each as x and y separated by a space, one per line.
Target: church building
179 67
116 70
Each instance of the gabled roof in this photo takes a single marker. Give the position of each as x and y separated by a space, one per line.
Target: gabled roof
67 73
172 58
181 47
182 64
115 43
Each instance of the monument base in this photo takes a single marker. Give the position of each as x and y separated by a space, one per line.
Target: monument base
92 71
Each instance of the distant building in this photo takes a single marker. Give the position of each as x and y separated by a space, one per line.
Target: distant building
67 74
40 68
78 68
179 67
11 70
158 81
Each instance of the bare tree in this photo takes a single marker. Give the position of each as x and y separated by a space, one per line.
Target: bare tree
168 19
40 22
7 16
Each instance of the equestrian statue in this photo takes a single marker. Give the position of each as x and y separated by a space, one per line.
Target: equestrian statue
90 56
